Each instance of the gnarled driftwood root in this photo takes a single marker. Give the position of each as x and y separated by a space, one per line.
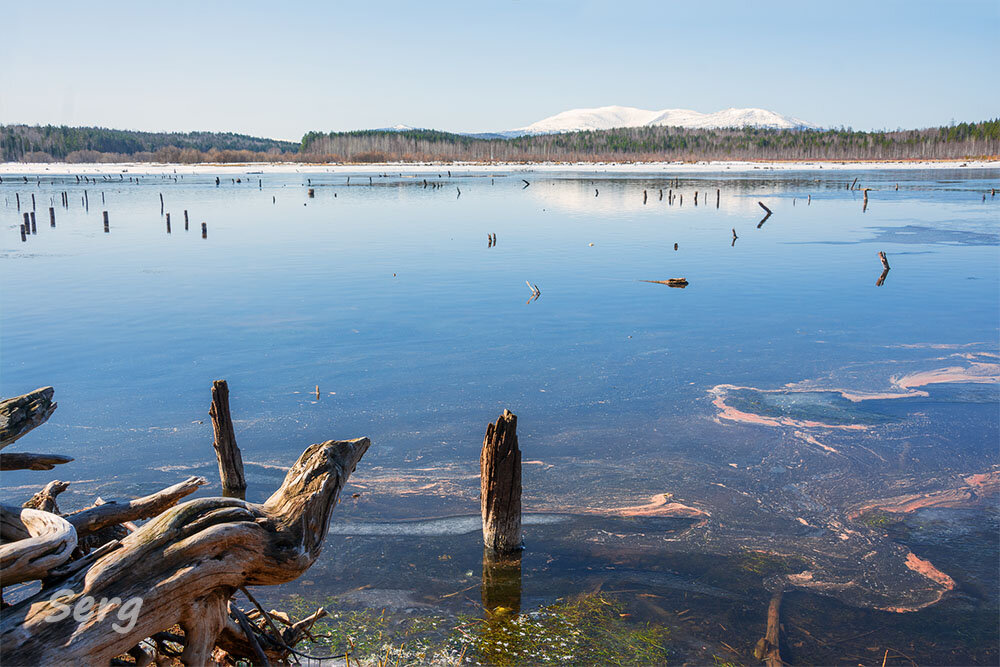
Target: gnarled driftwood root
184 566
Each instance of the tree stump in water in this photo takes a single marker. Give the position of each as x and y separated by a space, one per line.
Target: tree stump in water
234 484
500 485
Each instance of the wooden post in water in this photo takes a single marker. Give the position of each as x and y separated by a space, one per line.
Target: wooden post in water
204 230
27 222
718 197
500 485
644 195
185 220
168 223
32 201
17 196
52 216
234 484
106 229
24 237
34 229
312 193
695 197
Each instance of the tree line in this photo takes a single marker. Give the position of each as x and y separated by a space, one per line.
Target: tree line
49 143
92 144
964 140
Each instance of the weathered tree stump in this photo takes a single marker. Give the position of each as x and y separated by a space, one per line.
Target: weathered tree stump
500 485
767 646
234 484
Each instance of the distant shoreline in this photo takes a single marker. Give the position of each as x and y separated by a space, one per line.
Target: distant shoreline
52 168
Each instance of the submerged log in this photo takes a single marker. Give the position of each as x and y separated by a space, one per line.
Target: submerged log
183 567
500 485
21 414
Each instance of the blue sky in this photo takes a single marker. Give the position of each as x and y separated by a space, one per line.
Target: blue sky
279 69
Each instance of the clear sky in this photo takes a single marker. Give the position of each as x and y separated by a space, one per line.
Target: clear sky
279 69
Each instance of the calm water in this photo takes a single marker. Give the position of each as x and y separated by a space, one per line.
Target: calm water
418 332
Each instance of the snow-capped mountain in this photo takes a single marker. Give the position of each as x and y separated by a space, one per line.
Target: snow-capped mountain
606 118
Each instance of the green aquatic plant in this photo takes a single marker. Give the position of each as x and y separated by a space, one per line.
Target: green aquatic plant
876 520
767 564
588 630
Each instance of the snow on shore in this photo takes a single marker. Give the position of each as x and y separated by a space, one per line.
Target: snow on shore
56 168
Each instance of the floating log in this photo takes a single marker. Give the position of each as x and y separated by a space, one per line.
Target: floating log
885 262
27 461
234 483
312 193
184 566
526 183
500 485
20 414
672 282
766 209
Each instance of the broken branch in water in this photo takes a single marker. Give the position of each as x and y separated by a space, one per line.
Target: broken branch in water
672 282
535 292
28 461
885 269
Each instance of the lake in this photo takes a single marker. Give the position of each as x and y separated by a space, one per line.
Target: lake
687 451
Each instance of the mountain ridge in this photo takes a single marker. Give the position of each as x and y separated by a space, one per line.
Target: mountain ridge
613 117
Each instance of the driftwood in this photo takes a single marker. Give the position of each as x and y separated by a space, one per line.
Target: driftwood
184 566
45 499
35 542
21 414
28 461
500 485
234 484
106 514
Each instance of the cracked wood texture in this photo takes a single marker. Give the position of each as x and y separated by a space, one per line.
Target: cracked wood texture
234 484
500 485
21 414
185 565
